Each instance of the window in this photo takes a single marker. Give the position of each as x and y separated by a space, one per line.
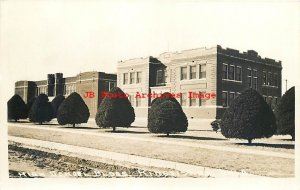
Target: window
225 71
264 78
265 98
202 71
275 79
275 100
193 101
106 86
183 99
138 77
249 79
160 77
270 78
132 78
111 85
238 73
224 99
138 101
125 78
231 97
255 79
255 83
193 72
231 72
183 73
202 101
269 100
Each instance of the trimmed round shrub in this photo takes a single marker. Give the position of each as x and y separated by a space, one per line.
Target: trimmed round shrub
73 110
16 108
248 117
41 110
30 103
115 110
56 103
166 116
285 114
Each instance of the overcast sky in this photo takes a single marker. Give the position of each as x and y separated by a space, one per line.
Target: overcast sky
41 37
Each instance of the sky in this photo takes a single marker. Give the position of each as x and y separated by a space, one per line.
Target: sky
41 37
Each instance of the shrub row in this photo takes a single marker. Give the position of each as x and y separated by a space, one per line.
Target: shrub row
248 117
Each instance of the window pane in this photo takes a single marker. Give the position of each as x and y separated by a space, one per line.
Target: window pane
132 78
224 99
264 78
183 73
183 99
160 77
192 101
193 72
138 77
231 72
138 102
238 74
231 97
225 71
270 79
275 79
202 71
125 78
249 81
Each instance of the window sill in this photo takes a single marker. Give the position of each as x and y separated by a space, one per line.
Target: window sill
228 80
269 86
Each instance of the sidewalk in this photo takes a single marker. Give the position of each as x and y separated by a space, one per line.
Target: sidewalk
120 157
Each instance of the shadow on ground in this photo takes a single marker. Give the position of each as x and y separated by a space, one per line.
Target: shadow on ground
71 127
132 132
286 146
192 137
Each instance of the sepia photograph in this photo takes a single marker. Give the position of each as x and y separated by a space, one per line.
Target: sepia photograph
149 94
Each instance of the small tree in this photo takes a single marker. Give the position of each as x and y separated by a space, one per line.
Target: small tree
215 125
166 116
115 110
248 117
41 110
73 110
16 108
285 114
56 103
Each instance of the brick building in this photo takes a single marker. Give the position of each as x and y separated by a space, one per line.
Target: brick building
56 84
223 73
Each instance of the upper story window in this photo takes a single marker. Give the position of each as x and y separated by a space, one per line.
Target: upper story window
254 79
238 73
249 78
183 71
231 72
138 102
111 85
270 78
160 77
275 79
202 71
125 78
225 71
193 72
138 77
264 78
132 78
